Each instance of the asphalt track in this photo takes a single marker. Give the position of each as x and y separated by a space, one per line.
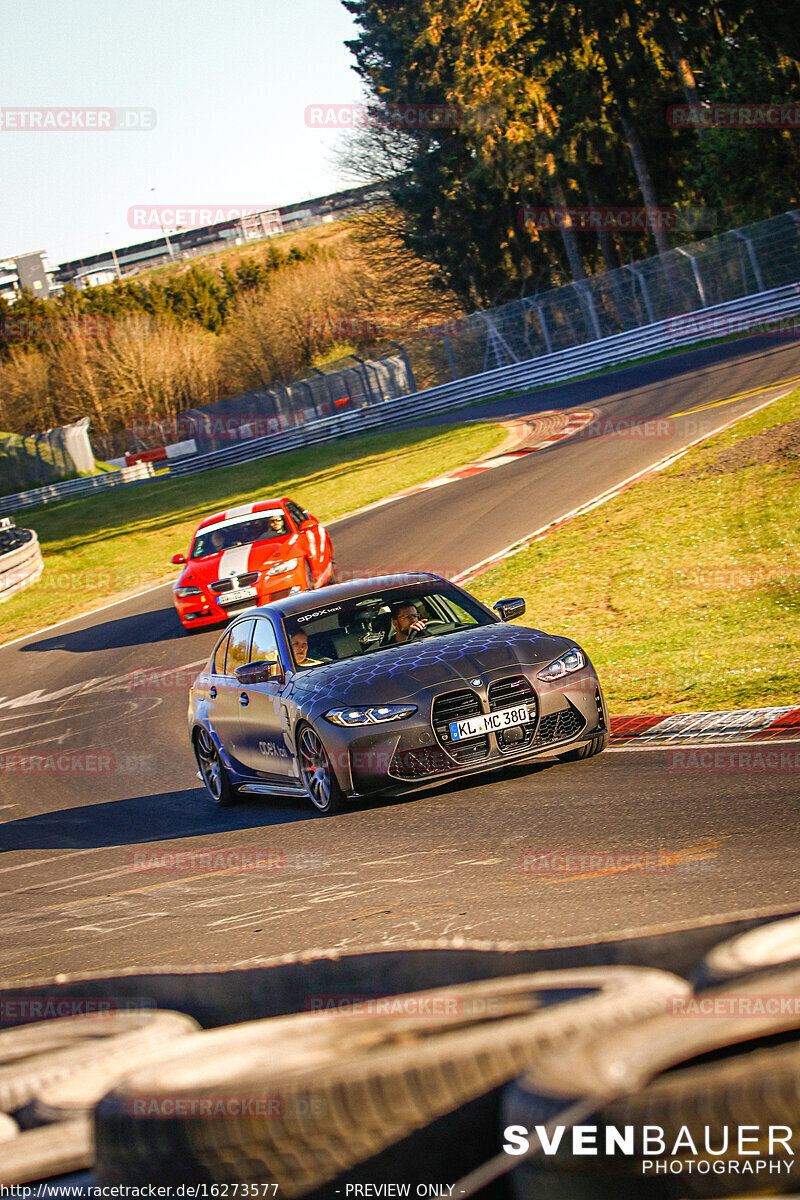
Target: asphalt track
79 884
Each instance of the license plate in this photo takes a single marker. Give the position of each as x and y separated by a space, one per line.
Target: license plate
489 722
237 594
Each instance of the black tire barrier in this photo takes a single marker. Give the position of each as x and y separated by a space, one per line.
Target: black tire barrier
766 946
44 1153
346 1085
35 1056
458 1140
218 996
701 1070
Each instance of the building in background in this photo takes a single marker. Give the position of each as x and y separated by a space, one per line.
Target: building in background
27 273
179 244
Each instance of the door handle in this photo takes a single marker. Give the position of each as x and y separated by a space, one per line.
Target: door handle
212 691
244 699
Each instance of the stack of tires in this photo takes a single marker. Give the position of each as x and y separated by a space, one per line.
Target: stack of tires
464 1085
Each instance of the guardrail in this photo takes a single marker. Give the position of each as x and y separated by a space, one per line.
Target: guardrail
76 487
684 330
21 565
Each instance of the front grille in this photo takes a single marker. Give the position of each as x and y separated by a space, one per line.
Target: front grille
417 764
227 585
507 693
457 706
559 727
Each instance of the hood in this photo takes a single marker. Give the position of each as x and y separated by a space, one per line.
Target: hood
256 556
400 673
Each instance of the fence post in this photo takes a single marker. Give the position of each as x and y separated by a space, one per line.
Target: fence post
637 274
407 361
328 391
362 370
754 263
696 272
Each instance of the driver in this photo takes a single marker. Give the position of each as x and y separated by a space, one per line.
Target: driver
217 540
406 619
300 651
277 525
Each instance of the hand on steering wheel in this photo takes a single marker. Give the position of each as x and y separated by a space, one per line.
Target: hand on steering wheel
417 627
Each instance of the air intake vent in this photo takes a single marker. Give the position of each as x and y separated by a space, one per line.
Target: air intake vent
457 706
507 693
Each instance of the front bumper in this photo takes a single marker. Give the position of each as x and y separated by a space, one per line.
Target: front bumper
408 754
206 609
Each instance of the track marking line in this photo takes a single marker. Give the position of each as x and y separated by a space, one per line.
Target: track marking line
739 396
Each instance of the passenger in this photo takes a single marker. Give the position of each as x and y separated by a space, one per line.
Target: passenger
217 541
300 651
405 618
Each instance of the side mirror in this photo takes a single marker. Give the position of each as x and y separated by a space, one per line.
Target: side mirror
178 559
507 610
260 672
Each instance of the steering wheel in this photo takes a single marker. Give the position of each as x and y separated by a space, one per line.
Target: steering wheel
413 634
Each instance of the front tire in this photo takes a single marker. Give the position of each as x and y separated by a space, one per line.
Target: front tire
215 777
310 585
316 772
588 750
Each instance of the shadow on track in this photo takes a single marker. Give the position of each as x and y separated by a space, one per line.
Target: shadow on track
138 629
155 818
168 816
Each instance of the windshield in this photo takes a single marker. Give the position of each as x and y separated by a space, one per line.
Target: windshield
216 538
376 623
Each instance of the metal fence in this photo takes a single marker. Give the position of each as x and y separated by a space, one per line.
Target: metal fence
138 473
267 411
743 262
38 459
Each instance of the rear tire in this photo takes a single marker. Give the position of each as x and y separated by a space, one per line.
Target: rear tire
215 777
588 750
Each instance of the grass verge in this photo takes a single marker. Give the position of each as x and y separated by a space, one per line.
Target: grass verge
685 589
101 547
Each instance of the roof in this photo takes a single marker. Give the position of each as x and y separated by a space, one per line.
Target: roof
300 602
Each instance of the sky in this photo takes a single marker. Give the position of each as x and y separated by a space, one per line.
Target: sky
229 86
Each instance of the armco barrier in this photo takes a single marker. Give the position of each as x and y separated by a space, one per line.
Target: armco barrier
21 566
686 330
76 487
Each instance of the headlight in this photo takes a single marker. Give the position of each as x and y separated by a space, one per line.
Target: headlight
370 716
188 591
573 660
283 568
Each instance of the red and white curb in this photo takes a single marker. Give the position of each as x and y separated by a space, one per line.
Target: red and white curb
736 725
553 424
